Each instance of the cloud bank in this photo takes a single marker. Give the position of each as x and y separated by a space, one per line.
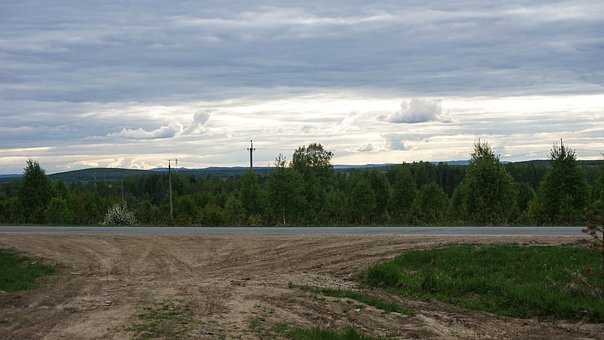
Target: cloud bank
132 82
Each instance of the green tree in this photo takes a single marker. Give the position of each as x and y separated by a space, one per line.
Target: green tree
251 197
233 210
563 192
599 186
35 193
212 214
489 195
185 209
403 193
381 188
58 211
312 159
336 205
148 213
363 201
524 196
455 211
59 189
313 162
285 192
10 210
430 205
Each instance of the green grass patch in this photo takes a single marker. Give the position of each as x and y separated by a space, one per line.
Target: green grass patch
361 297
297 333
18 272
521 281
167 320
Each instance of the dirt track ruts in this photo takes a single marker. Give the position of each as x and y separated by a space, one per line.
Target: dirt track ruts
230 281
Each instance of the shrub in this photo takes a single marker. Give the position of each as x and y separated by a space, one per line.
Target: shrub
119 215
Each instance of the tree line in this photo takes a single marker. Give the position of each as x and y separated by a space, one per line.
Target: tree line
306 190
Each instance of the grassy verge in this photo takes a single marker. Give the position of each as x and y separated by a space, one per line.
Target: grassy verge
536 281
361 297
20 272
167 320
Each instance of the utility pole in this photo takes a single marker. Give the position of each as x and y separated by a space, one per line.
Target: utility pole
251 149
170 185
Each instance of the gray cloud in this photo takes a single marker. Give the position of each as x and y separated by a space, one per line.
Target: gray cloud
79 52
140 133
199 122
77 74
395 142
366 148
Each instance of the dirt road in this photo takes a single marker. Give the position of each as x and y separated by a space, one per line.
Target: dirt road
236 287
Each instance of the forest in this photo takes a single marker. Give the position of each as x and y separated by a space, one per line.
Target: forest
306 190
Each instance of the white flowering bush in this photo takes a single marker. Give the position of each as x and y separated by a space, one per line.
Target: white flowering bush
119 215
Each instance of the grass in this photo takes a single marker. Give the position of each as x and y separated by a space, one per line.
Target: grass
361 297
297 333
20 272
520 281
326 334
167 320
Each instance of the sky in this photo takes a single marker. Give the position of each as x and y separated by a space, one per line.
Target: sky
135 83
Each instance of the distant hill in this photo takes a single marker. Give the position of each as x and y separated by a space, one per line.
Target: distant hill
116 174
97 174
8 178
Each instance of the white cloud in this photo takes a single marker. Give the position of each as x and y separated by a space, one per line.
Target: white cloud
417 110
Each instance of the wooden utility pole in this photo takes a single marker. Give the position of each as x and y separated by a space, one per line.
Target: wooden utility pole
170 186
251 149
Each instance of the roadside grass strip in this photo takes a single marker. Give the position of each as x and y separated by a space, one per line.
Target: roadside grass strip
560 282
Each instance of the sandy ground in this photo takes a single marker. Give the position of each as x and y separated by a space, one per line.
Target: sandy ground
238 287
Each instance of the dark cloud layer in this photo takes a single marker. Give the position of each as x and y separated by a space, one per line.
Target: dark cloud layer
75 51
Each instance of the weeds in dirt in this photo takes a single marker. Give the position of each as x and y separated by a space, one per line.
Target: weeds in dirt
256 325
296 333
287 331
20 272
361 297
511 280
167 320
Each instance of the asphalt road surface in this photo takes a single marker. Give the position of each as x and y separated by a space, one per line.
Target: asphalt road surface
292 231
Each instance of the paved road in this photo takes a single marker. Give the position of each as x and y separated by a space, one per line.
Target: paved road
294 231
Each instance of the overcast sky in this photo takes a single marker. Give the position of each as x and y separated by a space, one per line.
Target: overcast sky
134 83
